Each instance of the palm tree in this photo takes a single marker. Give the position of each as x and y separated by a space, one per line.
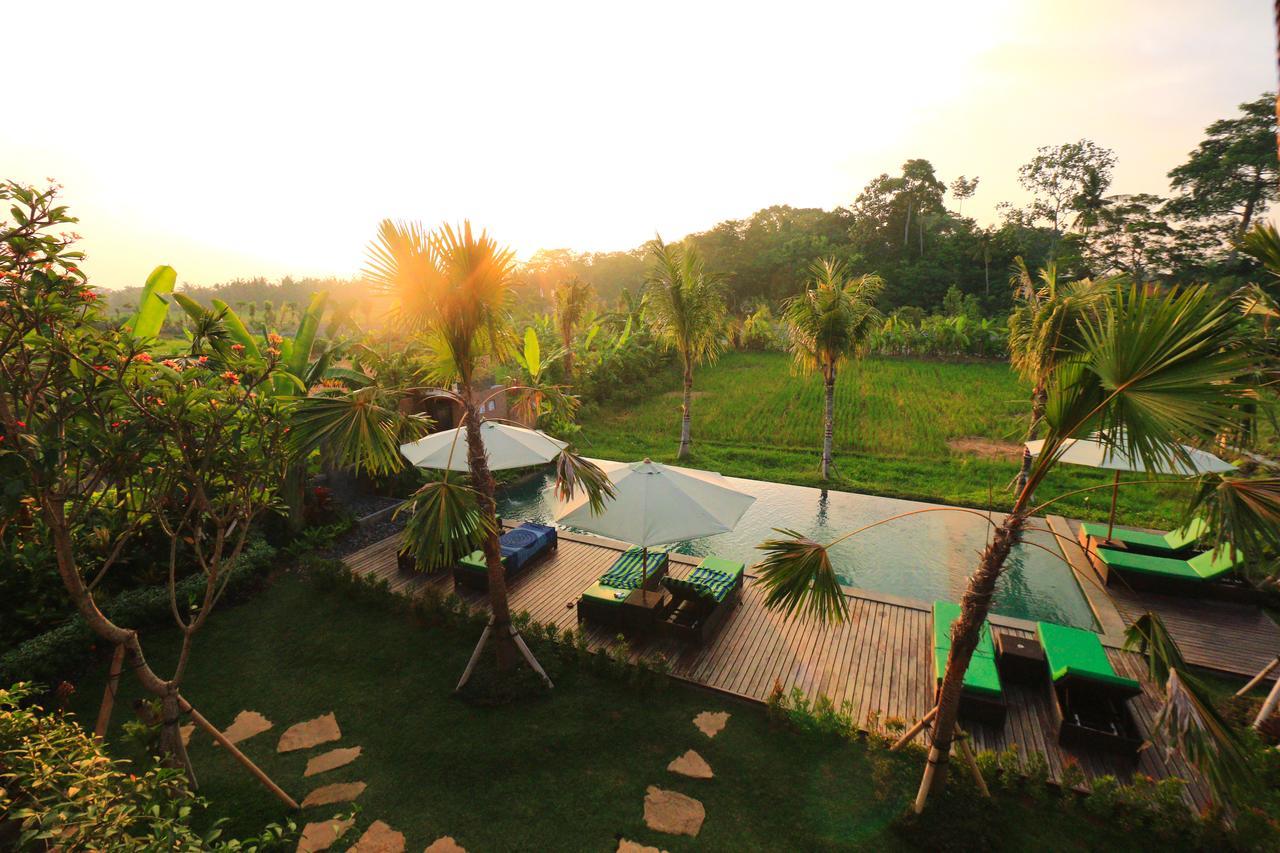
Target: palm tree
829 323
454 286
1157 368
684 305
572 299
1041 332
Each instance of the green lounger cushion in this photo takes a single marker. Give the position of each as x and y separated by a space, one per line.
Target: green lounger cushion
1175 540
1078 653
630 568
713 579
981 677
608 594
474 563
1203 567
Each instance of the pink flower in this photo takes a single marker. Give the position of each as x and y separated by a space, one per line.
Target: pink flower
144 357
202 359
171 364
237 348
274 339
231 376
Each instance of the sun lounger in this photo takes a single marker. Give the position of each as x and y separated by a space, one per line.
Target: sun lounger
521 547
981 693
1172 544
701 602
1205 572
606 599
1089 699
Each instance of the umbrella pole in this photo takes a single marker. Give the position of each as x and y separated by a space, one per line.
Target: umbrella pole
1115 493
644 571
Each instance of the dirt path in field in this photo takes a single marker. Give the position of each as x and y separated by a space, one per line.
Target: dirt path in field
987 448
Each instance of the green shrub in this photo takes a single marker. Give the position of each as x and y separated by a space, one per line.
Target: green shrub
55 654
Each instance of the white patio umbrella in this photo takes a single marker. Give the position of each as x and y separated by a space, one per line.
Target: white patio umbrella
506 445
1097 453
656 504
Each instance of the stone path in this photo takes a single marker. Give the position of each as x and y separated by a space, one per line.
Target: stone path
692 765
625 846
246 725
711 722
332 760
444 844
672 812
311 733
339 792
379 838
319 836
185 733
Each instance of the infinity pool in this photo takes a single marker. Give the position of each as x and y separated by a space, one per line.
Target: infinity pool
926 557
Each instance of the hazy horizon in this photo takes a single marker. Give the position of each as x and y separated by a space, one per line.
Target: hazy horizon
266 142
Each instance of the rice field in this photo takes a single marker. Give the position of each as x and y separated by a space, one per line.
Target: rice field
926 430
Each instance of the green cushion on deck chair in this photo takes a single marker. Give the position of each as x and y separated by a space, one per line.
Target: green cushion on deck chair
1175 540
1078 653
982 676
608 594
1203 567
713 579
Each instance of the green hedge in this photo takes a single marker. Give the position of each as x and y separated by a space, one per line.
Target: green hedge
50 656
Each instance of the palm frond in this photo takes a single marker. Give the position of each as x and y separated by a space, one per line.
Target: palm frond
575 473
1244 512
798 577
355 428
446 522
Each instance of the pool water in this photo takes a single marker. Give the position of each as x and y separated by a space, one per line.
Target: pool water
926 557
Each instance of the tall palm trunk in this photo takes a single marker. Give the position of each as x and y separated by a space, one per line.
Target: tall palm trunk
567 340
685 408
482 481
974 607
828 421
294 488
1039 401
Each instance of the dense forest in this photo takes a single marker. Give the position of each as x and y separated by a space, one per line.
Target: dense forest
910 228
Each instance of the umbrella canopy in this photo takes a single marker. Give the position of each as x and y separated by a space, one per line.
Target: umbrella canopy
507 446
655 504
1097 453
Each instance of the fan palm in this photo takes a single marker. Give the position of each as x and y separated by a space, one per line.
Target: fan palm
454 286
1041 332
1158 369
828 324
572 300
684 306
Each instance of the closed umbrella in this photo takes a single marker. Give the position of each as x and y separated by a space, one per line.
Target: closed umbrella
656 504
506 445
1096 452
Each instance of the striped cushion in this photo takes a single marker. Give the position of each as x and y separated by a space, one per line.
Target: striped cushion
628 570
705 582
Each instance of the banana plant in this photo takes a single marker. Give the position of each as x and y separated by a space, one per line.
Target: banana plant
528 404
153 306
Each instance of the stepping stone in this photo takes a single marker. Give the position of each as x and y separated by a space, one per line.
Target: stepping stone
320 835
331 760
692 765
309 734
445 844
379 838
246 725
341 792
672 812
185 733
625 846
711 722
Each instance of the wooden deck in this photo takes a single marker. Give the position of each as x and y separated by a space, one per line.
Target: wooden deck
880 661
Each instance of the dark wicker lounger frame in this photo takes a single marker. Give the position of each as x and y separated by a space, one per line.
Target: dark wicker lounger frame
1093 715
693 618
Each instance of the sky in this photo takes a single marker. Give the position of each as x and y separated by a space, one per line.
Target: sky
237 139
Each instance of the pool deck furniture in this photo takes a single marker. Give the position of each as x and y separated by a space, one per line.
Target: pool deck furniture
1090 699
1019 658
1210 573
617 599
702 601
981 692
1175 543
878 660
521 547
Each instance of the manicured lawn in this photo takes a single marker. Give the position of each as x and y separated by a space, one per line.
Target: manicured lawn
752 417
563 772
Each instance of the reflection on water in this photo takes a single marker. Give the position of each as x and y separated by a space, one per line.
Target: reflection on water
927 556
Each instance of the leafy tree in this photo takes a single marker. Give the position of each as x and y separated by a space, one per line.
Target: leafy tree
829 323
1232 174
572 298
962 189
1131 236
684 306
99 435
1059 174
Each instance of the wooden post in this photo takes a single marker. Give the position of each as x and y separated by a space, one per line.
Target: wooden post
1269 706
915 730
109 693
475 655
1115 494
528 656
238 755
973 765
1257 679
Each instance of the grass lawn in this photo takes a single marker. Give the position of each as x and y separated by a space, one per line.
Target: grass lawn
895 421
564 772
